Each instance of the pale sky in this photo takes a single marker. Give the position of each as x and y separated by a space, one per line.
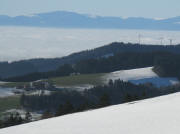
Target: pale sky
122 8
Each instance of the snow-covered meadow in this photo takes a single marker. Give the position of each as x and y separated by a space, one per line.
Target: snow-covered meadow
136 76
140 76
6 92
152 116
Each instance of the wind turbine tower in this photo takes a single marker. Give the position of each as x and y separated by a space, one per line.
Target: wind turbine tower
161 40
139 39
171 40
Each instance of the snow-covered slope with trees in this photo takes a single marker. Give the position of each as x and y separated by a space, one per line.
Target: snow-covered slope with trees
140 76
152 116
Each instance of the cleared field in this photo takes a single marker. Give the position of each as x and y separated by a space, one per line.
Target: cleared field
67 81
12 84
7 103
85 79
136 76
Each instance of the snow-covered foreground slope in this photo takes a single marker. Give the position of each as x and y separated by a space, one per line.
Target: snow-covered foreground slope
141 75
152 116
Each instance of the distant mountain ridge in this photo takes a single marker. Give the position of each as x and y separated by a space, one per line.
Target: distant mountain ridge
63 19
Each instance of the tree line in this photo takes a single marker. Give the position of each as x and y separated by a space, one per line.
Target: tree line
24 67
116 92
69 101
168 66
119 61
13 119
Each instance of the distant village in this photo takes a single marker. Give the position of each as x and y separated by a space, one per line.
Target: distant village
37 85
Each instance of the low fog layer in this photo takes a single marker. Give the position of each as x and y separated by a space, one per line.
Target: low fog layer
23 43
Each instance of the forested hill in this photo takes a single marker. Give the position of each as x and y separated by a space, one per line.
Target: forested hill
120 61
23 67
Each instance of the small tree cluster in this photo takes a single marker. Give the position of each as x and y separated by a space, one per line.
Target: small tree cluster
15 119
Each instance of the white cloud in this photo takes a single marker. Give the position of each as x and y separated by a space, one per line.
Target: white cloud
91 16
160 18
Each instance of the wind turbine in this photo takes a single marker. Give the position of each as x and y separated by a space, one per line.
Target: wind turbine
139 38
161 40
171 41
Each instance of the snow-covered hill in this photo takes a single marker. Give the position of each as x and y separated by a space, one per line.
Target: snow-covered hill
152 116
136 76
140 76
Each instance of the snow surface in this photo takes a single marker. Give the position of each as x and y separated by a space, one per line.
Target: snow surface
79 87
2 82
140 76
22 112
39 92
5 92
152 116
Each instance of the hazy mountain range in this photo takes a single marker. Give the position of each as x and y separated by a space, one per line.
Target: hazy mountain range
63 19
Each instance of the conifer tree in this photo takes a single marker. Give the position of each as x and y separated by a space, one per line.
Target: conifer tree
104 100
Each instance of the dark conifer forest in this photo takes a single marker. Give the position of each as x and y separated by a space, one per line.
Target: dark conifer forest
165 64
24 67
116 92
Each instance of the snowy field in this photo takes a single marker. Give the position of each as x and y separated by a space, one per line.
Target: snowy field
78 87
27 42
6 92
35 115
152 116
136 76
140 76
